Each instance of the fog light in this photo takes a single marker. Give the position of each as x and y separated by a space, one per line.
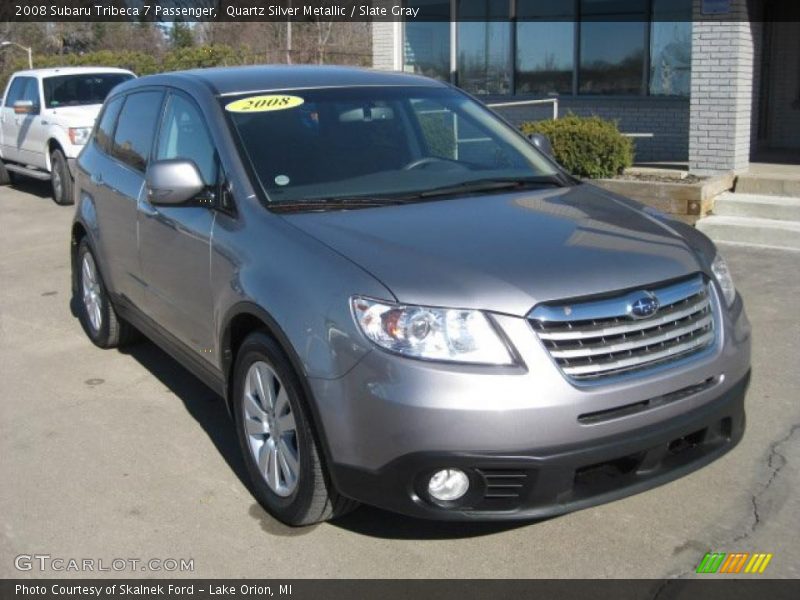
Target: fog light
448 484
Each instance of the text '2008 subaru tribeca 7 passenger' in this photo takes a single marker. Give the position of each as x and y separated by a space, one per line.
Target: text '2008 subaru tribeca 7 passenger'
401 299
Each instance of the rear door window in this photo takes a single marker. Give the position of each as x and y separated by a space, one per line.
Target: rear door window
133 137
105 128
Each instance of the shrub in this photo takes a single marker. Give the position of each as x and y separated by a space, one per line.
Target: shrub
586 146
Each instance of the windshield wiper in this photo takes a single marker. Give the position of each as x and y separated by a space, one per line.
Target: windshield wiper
332 203
493 184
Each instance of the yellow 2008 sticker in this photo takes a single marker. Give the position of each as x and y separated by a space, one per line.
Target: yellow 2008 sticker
264 103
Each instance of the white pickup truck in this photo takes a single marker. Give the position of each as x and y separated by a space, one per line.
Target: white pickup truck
46 118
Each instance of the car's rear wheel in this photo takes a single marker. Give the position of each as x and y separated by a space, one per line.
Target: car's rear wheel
60 179
95 311
280 446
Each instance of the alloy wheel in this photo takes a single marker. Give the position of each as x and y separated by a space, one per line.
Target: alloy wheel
271 429
92 294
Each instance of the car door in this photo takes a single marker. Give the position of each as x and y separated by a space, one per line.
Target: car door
31 128
9 121
174 241
119 184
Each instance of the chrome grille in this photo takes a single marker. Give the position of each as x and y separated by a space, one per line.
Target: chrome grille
598 338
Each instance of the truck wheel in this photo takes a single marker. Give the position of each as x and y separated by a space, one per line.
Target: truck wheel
279 444
60 178
5 176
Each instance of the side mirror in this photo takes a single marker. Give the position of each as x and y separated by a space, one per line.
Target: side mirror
173 181
24 107
542 142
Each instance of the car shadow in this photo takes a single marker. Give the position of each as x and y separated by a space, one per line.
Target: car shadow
209 411
28 185
201 402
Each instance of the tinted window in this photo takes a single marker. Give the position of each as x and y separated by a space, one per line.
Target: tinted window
133 137
612 46
671 48
427 43
184 135
105 128
76 90
545 46
484 52
16 90
378 141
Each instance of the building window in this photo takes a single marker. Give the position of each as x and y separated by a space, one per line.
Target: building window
484 47
551 47
426 50
613 36
545 47
671 48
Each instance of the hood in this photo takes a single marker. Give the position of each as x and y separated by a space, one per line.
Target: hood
505 252
77 116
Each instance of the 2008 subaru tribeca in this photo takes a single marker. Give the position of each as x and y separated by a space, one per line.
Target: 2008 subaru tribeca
403 301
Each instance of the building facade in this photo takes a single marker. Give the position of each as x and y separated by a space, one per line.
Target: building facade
711 83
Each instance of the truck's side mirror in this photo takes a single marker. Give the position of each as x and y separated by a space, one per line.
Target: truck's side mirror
173 181
24 107
542 142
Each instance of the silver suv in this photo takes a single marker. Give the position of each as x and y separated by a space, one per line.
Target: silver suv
401 299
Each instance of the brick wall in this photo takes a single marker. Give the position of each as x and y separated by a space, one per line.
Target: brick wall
722 91
383 45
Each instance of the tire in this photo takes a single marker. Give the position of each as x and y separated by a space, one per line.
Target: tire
309 497
60 179
5 175
95 311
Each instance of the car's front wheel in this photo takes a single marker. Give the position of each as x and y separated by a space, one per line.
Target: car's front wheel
60 179
95 311
276 436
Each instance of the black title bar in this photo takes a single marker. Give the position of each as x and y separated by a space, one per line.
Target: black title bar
382 10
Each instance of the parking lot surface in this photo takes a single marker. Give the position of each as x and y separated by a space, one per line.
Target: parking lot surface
123 454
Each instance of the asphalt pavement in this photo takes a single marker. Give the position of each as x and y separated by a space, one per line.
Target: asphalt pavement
110 455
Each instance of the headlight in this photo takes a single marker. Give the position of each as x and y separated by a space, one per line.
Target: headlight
454 335
79 135
720 269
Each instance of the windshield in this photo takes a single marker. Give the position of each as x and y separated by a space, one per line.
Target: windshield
376 142
79 90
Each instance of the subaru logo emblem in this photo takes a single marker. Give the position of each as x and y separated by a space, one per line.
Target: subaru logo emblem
643 306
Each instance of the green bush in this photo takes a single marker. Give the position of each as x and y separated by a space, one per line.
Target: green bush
586 146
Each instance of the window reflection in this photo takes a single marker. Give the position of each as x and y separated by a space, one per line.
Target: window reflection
612 51
671 48
427 43
484 48
618 41
545 46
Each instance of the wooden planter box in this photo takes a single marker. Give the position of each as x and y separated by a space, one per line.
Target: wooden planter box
686 201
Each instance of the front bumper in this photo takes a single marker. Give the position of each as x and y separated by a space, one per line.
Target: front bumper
390 421
544 483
